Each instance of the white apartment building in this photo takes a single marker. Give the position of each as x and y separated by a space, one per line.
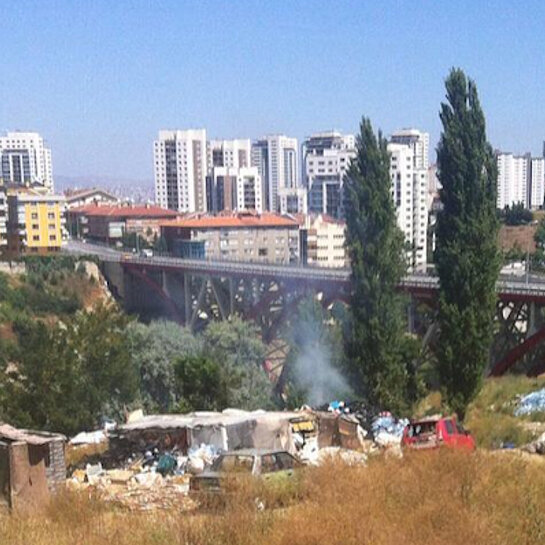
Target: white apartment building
324 240
276 158
513 179
293 200
418 141
3 218
25 160
234 189
409 175
537 182
326 159
229 153
180 165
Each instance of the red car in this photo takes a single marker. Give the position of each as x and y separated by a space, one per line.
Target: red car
436 431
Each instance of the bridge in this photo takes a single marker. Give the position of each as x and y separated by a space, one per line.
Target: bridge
195 291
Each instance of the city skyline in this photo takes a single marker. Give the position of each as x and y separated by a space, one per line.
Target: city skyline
126 74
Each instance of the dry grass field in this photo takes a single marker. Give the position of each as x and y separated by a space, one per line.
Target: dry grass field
431 498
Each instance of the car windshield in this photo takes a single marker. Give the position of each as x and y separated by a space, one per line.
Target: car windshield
421 428
277 462
234 462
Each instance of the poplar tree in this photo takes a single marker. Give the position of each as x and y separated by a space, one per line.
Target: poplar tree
466 254
376 249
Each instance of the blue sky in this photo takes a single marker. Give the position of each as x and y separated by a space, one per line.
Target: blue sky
99 78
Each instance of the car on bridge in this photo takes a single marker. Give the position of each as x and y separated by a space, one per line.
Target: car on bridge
435 432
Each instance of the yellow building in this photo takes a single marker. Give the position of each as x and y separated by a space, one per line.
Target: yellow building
36 222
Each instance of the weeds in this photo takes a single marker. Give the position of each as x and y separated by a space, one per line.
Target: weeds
439 497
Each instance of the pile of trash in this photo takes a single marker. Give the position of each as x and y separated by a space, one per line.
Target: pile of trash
162 484
531 403
384 429
142 481
347 456
387 430
537 446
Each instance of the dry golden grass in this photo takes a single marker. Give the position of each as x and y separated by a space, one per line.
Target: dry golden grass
431 498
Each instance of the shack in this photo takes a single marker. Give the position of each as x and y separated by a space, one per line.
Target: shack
231 429
32 467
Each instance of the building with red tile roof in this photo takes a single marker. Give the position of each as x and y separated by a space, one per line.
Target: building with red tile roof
108 222
267 237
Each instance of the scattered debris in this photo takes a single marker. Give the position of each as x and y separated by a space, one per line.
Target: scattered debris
537 446
531 403
347 456
89 438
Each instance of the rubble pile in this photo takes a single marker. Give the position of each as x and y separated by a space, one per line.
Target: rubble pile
140 488
537 446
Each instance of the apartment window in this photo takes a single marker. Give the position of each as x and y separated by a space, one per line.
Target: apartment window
35 226
262 252
34 215
52 237
36 237
51 226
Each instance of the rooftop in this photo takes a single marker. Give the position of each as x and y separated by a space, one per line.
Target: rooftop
74 194
32 437
124 211
239 220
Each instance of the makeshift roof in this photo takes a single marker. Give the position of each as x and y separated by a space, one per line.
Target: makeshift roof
197 419
27 436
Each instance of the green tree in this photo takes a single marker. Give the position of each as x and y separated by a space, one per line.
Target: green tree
516 215
154 350
160 245
68 375
467 256
201 384
235 345
376 249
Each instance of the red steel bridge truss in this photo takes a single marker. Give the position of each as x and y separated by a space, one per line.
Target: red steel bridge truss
194 292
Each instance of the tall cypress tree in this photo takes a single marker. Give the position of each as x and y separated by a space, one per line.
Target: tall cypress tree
467 256
376 248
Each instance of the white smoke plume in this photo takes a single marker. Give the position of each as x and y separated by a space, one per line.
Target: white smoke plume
315 373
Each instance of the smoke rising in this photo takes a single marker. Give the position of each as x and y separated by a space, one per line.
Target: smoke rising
316 374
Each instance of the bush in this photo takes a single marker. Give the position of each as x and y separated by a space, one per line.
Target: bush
492 430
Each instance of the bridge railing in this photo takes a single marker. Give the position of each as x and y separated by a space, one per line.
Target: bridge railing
516 284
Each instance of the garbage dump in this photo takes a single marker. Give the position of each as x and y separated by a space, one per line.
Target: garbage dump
149 460
531 403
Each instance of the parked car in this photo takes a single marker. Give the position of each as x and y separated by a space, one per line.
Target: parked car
146 252
436 431
271 467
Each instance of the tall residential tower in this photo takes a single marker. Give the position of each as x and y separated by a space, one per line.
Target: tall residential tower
326 158
276 158
409 174
180 164
25 161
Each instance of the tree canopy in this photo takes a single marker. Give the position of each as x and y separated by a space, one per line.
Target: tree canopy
466 256
376 249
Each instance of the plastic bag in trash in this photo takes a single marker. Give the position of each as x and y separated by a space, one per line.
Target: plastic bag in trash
531 403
